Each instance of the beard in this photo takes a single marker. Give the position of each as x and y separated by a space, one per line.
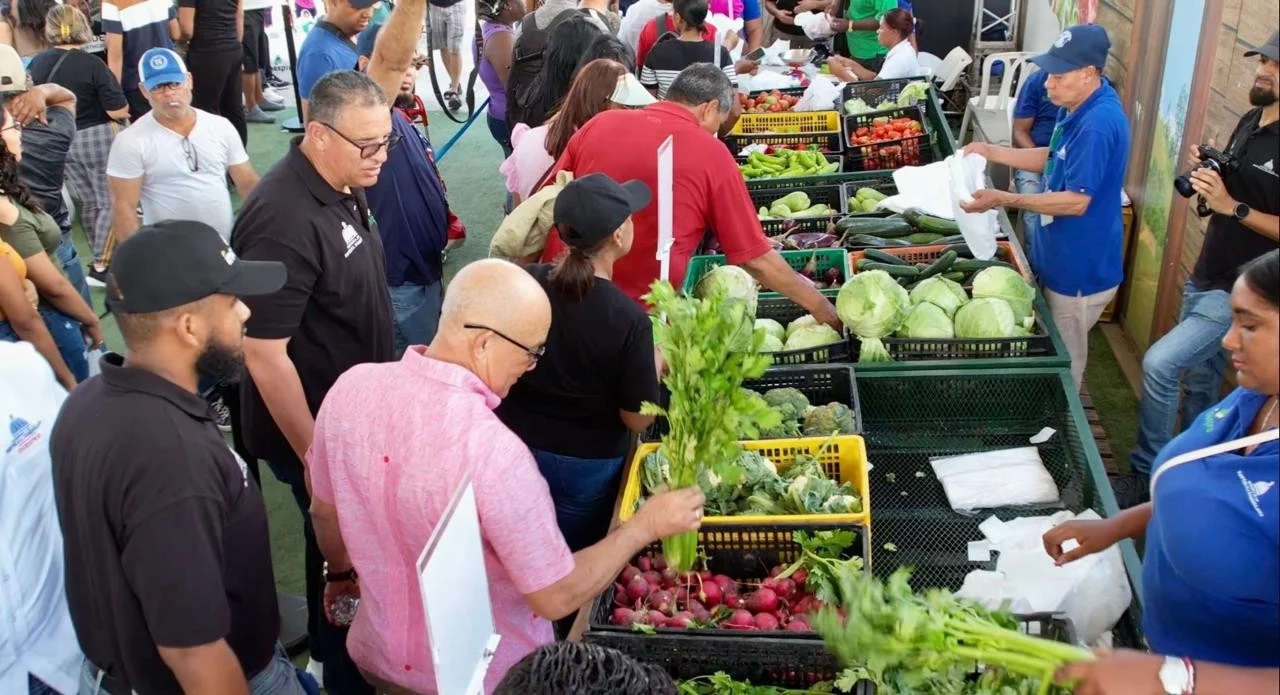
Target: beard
1262 96
220 363
404 100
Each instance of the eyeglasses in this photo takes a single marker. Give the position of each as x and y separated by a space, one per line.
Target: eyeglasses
534 354
368 150
167 87
193 156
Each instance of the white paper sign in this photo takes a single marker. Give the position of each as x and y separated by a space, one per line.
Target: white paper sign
666 234
459 624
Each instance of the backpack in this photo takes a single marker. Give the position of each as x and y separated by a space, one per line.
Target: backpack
528 55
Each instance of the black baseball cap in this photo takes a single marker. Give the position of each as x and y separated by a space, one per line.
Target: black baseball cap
592 207
1080 46
177 262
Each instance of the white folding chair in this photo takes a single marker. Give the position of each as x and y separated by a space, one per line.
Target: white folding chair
990 112
947 75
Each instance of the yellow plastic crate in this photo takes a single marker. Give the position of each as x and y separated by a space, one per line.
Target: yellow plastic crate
787 122
844 460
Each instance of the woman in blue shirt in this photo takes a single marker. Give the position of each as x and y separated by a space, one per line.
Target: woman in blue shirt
1211 573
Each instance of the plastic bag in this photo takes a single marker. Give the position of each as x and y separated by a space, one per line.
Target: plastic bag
94 356
816 25
821 95
968 174
918 187
992 479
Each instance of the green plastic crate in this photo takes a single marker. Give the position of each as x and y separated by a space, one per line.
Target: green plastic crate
826 258
909 416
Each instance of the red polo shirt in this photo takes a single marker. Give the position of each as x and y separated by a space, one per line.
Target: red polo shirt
708 190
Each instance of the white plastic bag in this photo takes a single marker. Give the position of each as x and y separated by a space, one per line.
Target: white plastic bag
816 25
94 356
968 174
921 187
821 95
993 479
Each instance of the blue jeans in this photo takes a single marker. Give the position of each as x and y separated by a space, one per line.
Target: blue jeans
66 255
500 132
1028 182
66 335
416 309
584 491
1191 356
278 677
35 686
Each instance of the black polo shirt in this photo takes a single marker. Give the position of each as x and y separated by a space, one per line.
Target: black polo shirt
1228 243
334 306
164 532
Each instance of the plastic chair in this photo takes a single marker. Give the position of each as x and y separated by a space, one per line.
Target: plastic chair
946 75
989 112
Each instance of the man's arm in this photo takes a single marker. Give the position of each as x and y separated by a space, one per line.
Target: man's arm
245 177
1208 183
34 104
186 22
1022 133
209 669
1025 159
277 379
115 55
240 20
397 41
1057 203
125 194
774 273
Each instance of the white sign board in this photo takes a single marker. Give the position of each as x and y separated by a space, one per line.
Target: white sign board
460 626
666 234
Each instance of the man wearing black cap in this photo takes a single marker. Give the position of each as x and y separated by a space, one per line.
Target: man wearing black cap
168 557
577 409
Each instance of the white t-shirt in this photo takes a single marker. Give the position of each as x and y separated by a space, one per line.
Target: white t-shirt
900 62
164 161
636 17
259 4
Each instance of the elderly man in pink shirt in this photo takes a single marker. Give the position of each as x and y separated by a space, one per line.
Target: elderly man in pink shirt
393 441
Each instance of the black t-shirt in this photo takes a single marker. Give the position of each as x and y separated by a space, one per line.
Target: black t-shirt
87 76
214 26
334 305
444 3
788 28
1228 243
44 162
164 532
599 360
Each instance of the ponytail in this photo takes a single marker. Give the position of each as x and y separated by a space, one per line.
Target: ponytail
573 273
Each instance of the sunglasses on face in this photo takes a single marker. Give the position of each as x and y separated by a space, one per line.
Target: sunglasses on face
368 149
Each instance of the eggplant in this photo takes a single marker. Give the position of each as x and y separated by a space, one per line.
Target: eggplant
806 241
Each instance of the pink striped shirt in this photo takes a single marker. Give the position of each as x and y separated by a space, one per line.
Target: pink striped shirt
391 443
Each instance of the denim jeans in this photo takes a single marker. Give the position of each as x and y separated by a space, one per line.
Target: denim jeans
584 491
500 132
416 309
66 335
1189 361
278 677
66 255
1028 182
35 686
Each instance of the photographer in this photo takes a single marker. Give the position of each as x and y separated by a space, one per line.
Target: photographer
1242 203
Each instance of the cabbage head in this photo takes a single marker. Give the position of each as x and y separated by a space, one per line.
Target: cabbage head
812 337
771 327
735 282
926 320
986 317
945 294
770 343
1007 284
872 304
806 320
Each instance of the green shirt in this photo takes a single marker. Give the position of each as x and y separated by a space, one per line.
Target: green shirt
864 43
32 233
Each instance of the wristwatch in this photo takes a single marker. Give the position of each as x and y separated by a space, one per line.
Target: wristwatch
344 576
1241 212
1178 676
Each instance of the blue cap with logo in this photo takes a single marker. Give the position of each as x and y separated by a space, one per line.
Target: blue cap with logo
1081 46
161 66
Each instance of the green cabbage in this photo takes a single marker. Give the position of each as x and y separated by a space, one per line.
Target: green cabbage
770 343
872 304
946 294
771 327
986 317
926 320
812 337
913 93
1005 283
735 282
806 320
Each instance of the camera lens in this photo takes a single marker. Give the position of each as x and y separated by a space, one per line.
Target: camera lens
1183 185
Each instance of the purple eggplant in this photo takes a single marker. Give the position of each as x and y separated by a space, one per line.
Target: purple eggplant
806 241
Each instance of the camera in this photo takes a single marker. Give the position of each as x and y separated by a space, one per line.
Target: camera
1221 162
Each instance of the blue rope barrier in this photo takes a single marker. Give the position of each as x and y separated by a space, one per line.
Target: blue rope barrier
445 150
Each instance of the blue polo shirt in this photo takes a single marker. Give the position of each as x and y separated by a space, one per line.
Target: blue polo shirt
409 203
142 26
1033 102
1212 560
323 52
1088 153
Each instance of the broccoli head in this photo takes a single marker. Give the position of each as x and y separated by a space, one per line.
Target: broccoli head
788 401
826 419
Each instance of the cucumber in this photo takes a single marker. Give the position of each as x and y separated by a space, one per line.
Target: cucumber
969 265
897 271
960 248
882 257
929 223
954 276
941 265
883 227
923 238
868 241
867 193
953 239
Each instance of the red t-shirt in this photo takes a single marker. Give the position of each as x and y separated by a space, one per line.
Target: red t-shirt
649 36
708 192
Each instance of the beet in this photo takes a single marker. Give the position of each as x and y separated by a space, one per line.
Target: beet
680 620
765 621
637 588
628 572
624 616
741 620
762 601
711 595
662 601
784 588
644 563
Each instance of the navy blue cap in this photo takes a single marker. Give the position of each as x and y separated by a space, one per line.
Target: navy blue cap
366 40
1081 46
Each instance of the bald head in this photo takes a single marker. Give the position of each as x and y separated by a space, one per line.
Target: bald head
499 294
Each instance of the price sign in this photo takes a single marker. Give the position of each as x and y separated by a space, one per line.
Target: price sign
666 234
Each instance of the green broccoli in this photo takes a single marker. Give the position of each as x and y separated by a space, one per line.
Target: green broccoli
830 418
789 402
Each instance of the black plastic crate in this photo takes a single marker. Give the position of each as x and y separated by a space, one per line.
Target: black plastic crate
880 182
875 91
1038 344
785 311
828 143
821 384
912 150
831 195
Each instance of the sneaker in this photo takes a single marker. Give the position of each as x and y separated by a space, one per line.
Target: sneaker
316 670
272 96
271 106
221 415
1131 489
257 115
451 100
276 82
96 276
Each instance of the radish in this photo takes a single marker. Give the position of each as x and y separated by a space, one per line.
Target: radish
740 620
687 578
699 611
620 596
762 601
624 616
683 594
660 563
637 588
655 618
705 575
680 620
799 576
784 588
723 581
711 595
797 625
669 577
733 600
770 583
776 571
644 563
628 572
662 601
766 621
652 577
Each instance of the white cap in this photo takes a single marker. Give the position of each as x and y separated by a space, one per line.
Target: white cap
630 92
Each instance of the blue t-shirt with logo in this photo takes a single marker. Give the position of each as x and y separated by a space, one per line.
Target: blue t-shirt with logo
1033 102
1087 154
323 52
1212 563
409 203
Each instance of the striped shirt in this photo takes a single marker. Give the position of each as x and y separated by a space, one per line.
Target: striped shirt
142 25
670 56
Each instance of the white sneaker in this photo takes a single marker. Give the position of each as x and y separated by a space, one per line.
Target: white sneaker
271 96
316 670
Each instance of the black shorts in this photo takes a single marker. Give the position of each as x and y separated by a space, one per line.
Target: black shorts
257 54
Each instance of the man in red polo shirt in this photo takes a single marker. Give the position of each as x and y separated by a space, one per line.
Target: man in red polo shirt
709 194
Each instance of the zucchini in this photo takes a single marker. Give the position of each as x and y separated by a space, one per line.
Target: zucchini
923 238
897 271
883 227
940 266
868 193
960 248
868 241
929 223
969 265
954 276
882 257
953 239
